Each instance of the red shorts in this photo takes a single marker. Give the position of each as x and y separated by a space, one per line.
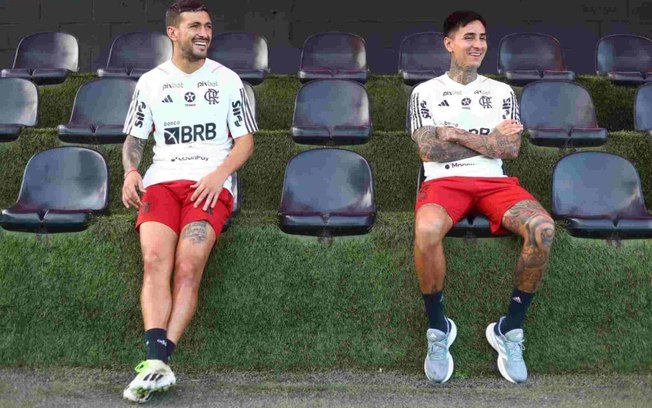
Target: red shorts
491 196
169 203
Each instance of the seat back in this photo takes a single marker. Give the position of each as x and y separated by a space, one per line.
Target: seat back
103 101
328 181
65 178
141 49
424 52
529 51
251 97
335 51
557 104
643 108
239 50
596 184
18 102
623 53
48 50
330 103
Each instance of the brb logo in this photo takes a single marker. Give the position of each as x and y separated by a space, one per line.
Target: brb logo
189 134
236 109
140 114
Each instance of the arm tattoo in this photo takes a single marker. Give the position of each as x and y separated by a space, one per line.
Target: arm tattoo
431 148
495 144
196 232
132 152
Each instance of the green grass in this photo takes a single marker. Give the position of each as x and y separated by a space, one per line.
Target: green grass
270 301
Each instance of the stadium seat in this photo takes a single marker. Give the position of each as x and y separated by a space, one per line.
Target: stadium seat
45 58
559 113
61 188
331 112
528 57
244 52
334 55
625 59
236 188
133 54
251 97
643 109
599 195
472 226
18 107
422 56
327 192
99 112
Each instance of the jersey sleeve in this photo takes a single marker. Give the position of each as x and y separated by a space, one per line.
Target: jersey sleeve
139 121
509 106
240 117
419 111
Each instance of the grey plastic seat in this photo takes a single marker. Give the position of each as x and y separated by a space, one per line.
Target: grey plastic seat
99 112
62 187
18 107
558 113
45 58
625 59
422 56
245 53
327 192
236 186
528 57
473 225
335 55
643 108
133 54
599 195
332 112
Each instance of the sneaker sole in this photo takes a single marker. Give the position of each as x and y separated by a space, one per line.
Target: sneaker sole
491 338
451 365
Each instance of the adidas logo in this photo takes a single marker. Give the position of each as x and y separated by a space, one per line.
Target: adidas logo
517 299
444 103
167 99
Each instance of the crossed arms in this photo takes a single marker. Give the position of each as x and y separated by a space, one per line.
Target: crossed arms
445 144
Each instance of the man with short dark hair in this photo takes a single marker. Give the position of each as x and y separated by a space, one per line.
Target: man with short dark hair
464 124
203 127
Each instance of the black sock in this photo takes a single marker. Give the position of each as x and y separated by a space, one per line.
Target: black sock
171 347
435 310
156 345
516 311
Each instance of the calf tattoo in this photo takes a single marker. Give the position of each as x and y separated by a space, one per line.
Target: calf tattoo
196 232
528 219
431 148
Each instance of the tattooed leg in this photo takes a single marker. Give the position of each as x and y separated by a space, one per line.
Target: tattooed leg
531 221
193 249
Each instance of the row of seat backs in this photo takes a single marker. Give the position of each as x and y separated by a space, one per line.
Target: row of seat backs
63 187
98 111
595 194
561 113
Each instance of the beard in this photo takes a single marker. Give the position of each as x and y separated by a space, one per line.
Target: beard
191 55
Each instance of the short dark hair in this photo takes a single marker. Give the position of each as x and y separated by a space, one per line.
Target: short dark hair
177 7
459 19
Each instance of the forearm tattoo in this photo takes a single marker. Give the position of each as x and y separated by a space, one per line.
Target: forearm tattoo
132 152
431 148
529 219
196 232
495 144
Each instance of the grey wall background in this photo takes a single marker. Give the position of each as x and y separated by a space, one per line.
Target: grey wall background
286 23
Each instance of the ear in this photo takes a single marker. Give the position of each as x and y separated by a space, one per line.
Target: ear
447 44
173 33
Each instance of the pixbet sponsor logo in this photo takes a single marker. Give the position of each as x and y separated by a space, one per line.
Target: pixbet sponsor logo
206 83
189 134
172 85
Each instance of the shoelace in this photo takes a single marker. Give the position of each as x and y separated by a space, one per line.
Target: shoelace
514 349
438 349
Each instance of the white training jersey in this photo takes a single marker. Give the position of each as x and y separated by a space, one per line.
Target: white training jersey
194 118
476 107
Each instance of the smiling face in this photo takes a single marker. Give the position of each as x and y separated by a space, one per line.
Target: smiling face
192 36
467 45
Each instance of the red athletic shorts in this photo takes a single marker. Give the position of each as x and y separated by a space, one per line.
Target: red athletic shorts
169 203
491 196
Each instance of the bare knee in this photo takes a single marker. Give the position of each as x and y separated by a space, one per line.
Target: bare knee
157 268
187 274
429 231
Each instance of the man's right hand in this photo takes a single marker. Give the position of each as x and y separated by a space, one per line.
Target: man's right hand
133 183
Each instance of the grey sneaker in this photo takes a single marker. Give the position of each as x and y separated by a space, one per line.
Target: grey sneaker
510 352
439 361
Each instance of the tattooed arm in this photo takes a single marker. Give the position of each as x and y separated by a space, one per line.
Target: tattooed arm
503 143
431 147
132 154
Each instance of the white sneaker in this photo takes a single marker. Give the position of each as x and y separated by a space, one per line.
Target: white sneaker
153 375
439 365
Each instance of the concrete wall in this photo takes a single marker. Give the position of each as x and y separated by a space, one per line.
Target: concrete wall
286 23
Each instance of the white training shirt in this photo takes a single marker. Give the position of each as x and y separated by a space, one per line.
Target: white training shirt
194 118
476 107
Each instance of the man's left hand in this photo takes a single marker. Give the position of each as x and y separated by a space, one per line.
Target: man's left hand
208 188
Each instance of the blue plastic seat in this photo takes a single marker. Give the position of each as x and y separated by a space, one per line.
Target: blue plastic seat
245 53
18 107
625 59
133 54
422 56
334 55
